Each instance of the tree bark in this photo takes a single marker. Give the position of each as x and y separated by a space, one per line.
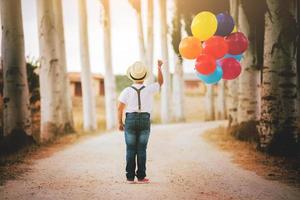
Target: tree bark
209 103
109 78
178 90
298 68
178 82
66 99
136 4
221 99
142 48
166 89
89 105
233 84
1 82
150 41
249 81
146 52
16 113
278 128
50 72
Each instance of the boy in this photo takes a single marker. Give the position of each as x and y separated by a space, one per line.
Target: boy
138 100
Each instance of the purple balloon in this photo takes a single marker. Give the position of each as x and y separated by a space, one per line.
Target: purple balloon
225 24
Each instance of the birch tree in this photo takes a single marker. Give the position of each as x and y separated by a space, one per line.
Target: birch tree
89 105
249 81
166 89
50 71
66 99
298 65
109 78
16 113
150 41
136 4
145 51
233 84
209 103
278 128
221 100
178 82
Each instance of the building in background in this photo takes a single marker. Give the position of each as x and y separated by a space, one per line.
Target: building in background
192 84
75 84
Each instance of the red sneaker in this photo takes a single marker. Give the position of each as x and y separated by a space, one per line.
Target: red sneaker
143 181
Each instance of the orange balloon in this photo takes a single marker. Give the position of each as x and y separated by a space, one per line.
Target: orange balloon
190 47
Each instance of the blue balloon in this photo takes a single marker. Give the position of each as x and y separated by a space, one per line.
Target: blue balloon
237 57
225 24
211 78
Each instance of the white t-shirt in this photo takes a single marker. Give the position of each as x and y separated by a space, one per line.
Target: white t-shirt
130 97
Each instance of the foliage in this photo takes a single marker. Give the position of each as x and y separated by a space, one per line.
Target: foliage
189 8
33 82
122 82
246 131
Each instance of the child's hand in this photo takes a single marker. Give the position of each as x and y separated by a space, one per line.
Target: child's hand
121 127
159 63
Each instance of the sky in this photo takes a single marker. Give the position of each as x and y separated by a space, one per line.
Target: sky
124 34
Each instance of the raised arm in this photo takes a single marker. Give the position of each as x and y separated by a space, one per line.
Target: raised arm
160 77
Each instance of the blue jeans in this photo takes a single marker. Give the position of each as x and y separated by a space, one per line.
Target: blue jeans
137 130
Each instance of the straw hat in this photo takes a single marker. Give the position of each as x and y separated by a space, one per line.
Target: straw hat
137 72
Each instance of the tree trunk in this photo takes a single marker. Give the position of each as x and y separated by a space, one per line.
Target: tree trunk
279 93
142 49
232 103
209 103
110 85
89 106
221 101
178 82
249 81
166 89
50 72
1 82
66 99
16 113
136 4
233 84
298 68
178 90
146 52
150 41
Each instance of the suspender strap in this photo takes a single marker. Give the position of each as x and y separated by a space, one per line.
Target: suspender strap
139 95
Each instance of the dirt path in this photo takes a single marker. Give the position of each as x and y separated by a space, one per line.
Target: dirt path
181 165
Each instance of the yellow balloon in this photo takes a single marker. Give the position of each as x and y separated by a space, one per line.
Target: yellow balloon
234 30
204 25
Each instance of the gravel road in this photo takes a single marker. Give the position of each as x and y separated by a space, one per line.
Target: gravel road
181 165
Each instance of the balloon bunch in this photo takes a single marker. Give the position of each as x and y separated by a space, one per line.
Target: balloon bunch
216 45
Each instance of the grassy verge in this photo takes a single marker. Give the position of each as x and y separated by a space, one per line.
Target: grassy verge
245 154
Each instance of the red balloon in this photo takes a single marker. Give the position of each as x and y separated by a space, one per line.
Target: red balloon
237 43
231 68
205 64
215 46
